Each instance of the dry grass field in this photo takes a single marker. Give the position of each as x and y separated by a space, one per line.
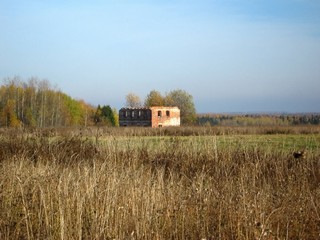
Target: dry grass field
186 183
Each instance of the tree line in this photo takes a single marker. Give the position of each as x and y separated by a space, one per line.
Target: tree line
258 119
35 103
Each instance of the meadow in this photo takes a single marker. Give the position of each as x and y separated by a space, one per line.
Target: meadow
170 183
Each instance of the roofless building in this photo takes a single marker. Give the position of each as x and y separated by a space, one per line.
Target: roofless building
149 117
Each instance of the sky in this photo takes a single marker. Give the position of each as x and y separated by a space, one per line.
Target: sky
230 55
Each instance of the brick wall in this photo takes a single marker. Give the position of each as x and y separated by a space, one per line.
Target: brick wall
150 117
135 117
165 116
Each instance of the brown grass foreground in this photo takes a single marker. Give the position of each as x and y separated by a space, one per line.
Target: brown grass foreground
155 188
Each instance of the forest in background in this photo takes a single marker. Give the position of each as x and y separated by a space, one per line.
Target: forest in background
35 103
259 119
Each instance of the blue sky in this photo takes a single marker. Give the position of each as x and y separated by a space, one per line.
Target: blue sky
231 55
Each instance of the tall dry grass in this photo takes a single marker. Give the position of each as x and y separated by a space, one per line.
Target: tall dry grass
72 187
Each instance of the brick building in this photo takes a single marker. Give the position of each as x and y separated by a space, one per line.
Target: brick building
149 117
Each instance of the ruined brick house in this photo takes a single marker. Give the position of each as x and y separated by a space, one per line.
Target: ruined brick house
149 117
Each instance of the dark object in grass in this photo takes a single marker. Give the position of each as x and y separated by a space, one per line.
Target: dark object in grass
299 154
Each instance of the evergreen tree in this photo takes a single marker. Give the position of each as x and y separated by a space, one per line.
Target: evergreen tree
105 116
